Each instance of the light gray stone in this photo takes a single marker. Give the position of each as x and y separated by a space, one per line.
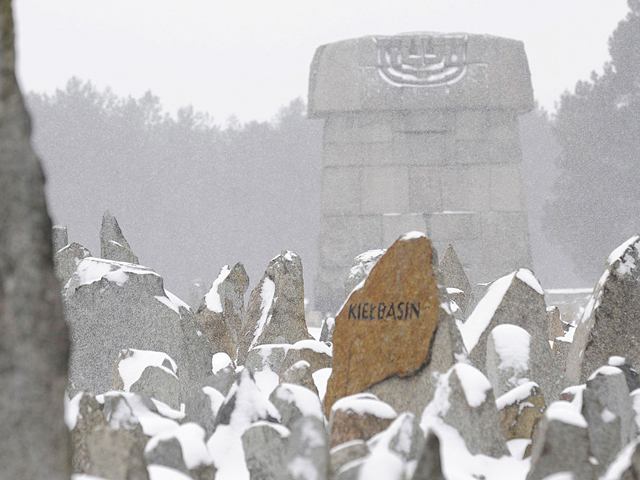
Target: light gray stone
34 343
453 226
60 237
471 410
111 306
626 465
265 447
505 236
308 452
266 357
630 373
221 311
452 276
66 261
167 453
157 383
608 326
562 445
201 407
516 299
429 465
299 373
554 324
222 379
275 313
421 148
360 268
294 402
113 245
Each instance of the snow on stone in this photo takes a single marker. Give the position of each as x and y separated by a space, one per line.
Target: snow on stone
321 378
618 252
565 412
512 345
160 472
616 361
72 410
267 380
212 299
151 422
621 463
439 404
529 278
452 290
307 401
166 411
267 293
314 345
174 303
605 370
577 392
515 395
191 438
131 367
303 468
481 316
219 361
315 332
627 265
215 397
474 384
412 236
518 446
92 269
84 476
560 476
365 404
608 416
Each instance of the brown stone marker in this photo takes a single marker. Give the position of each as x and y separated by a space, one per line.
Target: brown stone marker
386 326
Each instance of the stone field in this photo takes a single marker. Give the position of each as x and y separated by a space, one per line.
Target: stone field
413 378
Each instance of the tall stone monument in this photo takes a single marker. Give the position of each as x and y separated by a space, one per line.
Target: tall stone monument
421 133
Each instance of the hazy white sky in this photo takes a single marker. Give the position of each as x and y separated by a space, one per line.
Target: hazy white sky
249 57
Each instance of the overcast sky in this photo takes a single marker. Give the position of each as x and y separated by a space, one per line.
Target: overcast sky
250 57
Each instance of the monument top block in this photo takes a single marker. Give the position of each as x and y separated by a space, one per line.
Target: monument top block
420 71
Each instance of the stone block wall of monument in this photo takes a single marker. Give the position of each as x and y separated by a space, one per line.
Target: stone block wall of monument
421 133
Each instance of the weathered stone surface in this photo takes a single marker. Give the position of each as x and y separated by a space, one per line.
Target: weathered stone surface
34 342
561 349
160 384
520 409
554 324
429 465
609 324
452 276
515 299
113 245
268 356
326 333
464 400
221 311
562 445
111 306
386 327
300 373
294 402
60 238
318 354
361 268
308 452
346 453
265 447
66 260
358 417
607 408
275 313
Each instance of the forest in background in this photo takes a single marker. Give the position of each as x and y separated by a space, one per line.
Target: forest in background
192 196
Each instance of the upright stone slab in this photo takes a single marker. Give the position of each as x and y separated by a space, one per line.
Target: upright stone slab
453 277
60 237
610 324
386 327
421 133
34 342
275 313
113 245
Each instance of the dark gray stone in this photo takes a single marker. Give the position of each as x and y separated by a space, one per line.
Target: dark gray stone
515 299
265 448
201 407
562 445
469 408
113 245
168 453
157 383
221 310
275 313
360 269
60 238
609 326
452 276
429 465
34 341
66 260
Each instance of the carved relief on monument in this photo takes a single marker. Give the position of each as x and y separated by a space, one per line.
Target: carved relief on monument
422 61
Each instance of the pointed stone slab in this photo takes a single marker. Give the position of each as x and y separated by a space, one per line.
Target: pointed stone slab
452 276
113 245
386 327
610 324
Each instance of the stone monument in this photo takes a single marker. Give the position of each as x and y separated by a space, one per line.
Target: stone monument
421 133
